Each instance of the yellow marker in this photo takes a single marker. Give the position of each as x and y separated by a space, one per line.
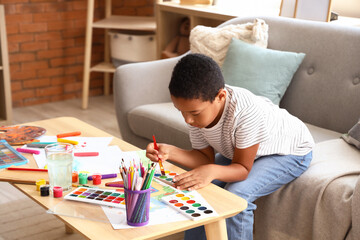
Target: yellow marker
67 141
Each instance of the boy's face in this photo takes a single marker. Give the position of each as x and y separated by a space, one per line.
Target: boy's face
199 113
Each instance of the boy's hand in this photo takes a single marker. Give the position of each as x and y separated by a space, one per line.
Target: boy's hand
194 179
155 155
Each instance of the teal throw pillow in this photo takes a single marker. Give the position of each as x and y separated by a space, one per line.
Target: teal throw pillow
264 72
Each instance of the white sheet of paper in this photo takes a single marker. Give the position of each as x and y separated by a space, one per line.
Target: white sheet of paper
105 163
159 214
108 161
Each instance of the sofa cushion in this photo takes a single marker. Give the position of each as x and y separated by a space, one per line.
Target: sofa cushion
321 134
264 72
316 202
214 42
164 120
353 136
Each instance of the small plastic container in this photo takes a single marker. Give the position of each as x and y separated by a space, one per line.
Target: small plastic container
57 192
96 179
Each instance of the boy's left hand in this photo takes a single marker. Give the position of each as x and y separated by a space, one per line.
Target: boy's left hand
194 179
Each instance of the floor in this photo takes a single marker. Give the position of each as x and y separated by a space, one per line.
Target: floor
21 218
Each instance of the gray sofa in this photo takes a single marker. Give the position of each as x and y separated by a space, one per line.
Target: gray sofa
324 203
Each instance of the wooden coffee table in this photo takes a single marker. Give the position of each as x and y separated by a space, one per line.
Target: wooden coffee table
225 203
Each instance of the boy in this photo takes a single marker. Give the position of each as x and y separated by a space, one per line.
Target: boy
259 146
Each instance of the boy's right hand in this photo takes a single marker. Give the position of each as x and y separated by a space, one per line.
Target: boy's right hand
157 155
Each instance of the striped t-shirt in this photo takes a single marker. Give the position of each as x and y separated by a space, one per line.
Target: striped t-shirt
249 119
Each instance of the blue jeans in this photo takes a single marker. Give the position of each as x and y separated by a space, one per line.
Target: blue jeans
267 175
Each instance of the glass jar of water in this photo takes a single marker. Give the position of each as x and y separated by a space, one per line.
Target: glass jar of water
59 157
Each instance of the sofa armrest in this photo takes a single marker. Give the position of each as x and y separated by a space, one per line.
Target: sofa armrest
137 84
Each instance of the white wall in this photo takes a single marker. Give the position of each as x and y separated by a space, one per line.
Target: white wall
348 8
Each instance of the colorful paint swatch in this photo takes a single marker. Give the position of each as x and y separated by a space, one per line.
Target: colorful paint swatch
167 178
195 208
9 156
106 197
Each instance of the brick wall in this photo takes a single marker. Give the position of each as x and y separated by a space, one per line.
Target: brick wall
46 41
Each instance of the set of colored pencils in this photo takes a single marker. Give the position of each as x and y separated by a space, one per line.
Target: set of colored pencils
135 177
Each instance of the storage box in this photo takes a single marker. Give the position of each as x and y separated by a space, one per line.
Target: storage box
132 46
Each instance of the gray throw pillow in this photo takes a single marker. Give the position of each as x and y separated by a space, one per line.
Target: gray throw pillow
353 136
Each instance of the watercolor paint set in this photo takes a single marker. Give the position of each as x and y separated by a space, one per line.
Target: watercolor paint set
106 197
9 156
193 207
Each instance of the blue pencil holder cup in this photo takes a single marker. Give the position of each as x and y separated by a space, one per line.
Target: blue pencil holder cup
137 207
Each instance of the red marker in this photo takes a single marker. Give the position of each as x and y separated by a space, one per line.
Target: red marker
160 163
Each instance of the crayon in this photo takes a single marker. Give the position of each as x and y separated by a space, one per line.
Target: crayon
68 141
32 145
70 134
86 154
25 150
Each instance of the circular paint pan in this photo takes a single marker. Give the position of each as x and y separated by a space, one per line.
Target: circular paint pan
173 201
190 201
196 205
184 208
196 215
190 211
179 195
178 204
202 208
208 211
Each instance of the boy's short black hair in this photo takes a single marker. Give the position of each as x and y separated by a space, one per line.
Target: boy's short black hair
196 76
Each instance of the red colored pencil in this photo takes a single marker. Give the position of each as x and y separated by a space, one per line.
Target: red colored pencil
28 169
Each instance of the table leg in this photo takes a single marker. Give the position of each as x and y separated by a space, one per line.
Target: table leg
216 230
68 229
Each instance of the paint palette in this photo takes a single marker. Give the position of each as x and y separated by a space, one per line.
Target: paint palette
193 207
9 156
112 198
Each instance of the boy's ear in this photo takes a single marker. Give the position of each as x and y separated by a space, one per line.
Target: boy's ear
221 94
